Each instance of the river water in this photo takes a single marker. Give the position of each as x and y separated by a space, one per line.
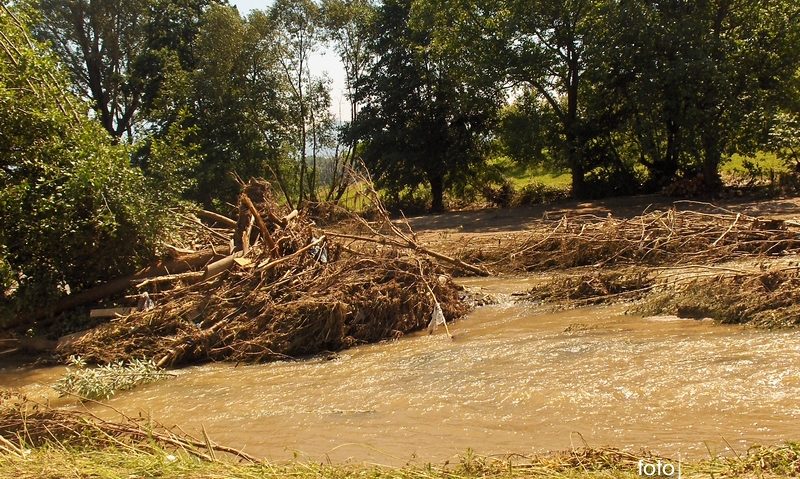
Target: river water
513 380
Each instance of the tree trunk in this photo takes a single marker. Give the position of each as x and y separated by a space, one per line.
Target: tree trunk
437 193
575 161
711 159
578 181
575 145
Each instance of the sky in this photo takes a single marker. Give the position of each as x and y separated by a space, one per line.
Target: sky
322 63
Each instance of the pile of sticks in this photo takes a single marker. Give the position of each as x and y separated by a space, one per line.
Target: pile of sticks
284 289
655 238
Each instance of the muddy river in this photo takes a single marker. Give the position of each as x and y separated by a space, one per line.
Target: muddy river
512 380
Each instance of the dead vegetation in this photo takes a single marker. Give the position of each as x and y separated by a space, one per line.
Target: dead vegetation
287 289
39 441
669 262
27 424
593 287
761 298
656 238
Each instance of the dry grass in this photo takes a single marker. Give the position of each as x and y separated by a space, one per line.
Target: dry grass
768 298
67 462
40 442
657 238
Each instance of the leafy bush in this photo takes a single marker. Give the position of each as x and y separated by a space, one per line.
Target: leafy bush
784 139
408 201
612 180
537 193
75 212
501 196
103 382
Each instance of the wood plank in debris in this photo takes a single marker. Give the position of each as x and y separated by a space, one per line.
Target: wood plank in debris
110 312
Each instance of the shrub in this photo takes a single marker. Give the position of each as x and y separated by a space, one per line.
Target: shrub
75 212
537 193
102 382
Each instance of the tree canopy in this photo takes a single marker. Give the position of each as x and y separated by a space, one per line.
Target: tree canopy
74 210
112 112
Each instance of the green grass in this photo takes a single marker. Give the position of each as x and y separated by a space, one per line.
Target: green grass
522 175
56 461
762 160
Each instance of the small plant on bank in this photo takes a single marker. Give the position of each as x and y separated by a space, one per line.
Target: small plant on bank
103 382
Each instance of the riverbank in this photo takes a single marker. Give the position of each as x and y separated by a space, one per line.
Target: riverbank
59 462
736 262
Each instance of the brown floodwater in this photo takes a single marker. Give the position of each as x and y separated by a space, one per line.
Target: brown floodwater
514 380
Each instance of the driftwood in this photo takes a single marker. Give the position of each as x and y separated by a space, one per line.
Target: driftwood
217 218
119 285
296 292
307 293
110 312
273 250
171 278
396 236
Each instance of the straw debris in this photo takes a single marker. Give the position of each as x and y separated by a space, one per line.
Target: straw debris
656 238
764 298
593 287
286 290
26 424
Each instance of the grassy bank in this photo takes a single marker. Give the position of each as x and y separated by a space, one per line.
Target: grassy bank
53 461
38 441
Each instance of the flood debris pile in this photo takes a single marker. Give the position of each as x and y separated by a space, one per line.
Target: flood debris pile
286 290
655 238
593 287
764 298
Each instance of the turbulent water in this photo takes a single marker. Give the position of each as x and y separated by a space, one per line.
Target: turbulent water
511 381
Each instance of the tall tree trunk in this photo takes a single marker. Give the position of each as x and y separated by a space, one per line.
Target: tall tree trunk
711 159
575 147
437 192
576 169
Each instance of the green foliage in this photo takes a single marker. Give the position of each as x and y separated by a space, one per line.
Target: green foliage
528 130
102 382
784 139
409 201
420 122
7 282
169 162
74 211
118 52
537 193
688 84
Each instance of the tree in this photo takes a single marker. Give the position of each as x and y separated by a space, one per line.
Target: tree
420 122
539 44
346 24
234 103
642 74
117 50
74 211
298 36
696 81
